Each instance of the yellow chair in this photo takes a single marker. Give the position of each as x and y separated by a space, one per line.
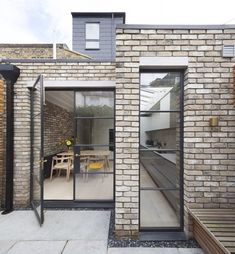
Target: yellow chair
96 163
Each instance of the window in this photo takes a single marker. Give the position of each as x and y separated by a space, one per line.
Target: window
92 35
161 150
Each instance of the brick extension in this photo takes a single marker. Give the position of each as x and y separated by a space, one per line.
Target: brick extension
209 159
209 154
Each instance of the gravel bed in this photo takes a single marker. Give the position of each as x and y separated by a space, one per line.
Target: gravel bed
113 242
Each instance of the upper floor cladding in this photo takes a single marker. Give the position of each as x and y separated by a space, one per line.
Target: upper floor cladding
94 34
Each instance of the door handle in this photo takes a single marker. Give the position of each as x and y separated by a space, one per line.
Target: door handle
77 155
42 161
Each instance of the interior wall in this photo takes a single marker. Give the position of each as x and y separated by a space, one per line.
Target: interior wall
167 137
58 128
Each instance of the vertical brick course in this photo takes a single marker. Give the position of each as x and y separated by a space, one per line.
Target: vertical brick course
2 121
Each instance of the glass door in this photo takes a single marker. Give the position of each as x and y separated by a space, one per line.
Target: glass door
161 148
37 149
94 145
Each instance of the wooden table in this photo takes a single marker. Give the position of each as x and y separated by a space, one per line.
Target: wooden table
90 153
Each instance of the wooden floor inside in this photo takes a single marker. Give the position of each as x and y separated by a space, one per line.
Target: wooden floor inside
214 229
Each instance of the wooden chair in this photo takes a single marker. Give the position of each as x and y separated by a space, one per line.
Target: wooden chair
83 165
95 164
61 163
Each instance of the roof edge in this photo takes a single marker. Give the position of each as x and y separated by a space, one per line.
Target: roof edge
32 45
50 60
180 27
99 14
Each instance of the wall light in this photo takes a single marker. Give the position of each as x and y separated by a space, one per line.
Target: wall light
214 121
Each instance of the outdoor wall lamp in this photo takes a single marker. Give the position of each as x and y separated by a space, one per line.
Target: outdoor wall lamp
214 121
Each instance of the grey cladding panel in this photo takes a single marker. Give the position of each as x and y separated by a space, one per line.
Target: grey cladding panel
107 36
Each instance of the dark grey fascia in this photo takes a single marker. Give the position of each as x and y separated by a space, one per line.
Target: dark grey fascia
100 14
180 27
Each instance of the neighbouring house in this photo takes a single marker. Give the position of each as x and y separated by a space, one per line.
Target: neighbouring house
145 127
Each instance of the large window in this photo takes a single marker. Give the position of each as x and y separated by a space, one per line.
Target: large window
92 35
161 150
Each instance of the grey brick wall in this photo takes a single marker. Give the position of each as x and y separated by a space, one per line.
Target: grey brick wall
209 154
32 51
51 71
58 125
209 160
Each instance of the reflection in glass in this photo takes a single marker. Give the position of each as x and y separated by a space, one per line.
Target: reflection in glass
94 104
92 44
159 130
94 131
160 91
159 150
92 31
94 186
157 211
162 168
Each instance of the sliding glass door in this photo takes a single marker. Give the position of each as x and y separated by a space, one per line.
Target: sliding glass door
161 140
94 145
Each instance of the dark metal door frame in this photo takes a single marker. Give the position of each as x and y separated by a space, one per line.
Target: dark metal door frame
181 146
39 82
78 146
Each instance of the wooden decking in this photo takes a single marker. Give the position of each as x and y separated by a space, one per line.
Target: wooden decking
214 229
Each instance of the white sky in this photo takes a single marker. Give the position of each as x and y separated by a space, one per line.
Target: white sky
33 21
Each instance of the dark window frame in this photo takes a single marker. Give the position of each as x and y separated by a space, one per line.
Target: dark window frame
75 203
181 143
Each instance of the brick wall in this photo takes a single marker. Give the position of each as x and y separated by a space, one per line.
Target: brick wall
51 71
58 127
2 169
31 51
209 154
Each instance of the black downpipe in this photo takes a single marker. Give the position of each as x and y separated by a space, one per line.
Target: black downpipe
10 74
9 147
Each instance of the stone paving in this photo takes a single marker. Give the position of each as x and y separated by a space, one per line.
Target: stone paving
67 232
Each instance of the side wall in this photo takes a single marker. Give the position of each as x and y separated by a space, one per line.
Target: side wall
32 51
209 154
51 71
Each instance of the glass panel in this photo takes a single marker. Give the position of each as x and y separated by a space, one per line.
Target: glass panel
37 149
160 91
94 131
159 208
92 44
159 170
95 104
92 31
160 130
59 188
94 186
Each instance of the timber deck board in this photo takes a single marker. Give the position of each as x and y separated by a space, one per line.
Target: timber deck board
214 229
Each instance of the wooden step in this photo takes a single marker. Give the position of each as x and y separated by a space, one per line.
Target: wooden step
214 229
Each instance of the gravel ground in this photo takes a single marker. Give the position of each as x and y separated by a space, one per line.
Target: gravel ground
113 242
